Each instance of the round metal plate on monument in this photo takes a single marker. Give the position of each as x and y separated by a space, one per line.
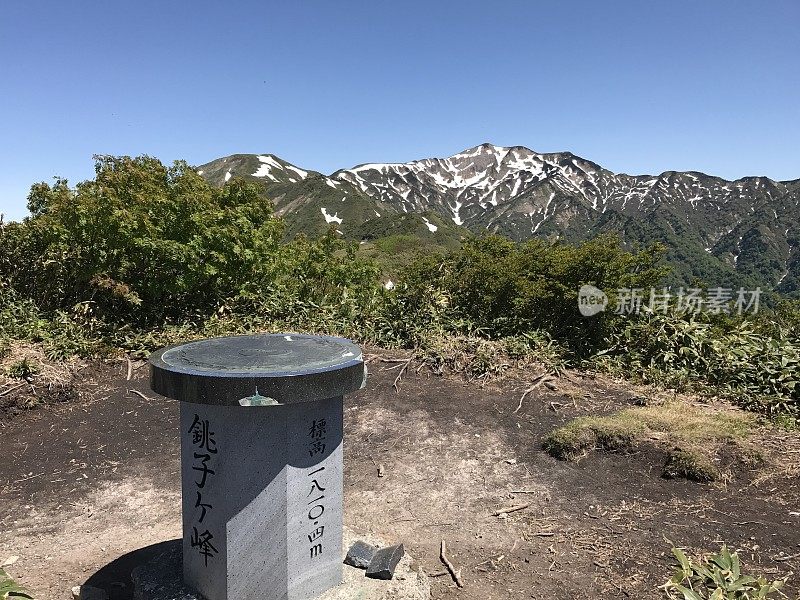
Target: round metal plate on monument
283 368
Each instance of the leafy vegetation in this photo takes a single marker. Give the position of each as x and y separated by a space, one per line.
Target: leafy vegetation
145 255
9 589
756 366
499 288
716 577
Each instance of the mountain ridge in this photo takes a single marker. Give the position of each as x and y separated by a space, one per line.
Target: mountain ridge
737 232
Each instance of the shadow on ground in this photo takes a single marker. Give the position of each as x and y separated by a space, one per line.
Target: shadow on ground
115 577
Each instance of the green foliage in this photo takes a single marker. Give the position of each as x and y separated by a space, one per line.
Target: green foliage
141 242
23 369
759 370
144 255
501 288
9 589
783 321
716 577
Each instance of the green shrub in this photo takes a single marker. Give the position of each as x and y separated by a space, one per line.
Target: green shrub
23 369
500 288
141 242
717 577
757 370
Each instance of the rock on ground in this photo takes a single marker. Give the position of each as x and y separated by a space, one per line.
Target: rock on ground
87 592
161 579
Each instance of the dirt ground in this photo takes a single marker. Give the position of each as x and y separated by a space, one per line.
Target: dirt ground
90 486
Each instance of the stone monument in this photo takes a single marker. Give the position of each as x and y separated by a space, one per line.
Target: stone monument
261 460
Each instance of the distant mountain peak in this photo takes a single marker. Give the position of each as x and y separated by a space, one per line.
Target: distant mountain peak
747 227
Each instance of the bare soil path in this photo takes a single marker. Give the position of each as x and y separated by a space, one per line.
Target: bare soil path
88 488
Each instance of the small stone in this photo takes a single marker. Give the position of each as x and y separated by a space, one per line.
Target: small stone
384 562
87 592
360 555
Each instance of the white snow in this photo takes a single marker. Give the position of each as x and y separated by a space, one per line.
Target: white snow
227 175
544 216
375 166
200 172
300 172
334 218
331 182
389 285
456 217
430 225
267 164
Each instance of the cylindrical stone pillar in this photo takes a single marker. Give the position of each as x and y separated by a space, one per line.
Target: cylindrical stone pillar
261 460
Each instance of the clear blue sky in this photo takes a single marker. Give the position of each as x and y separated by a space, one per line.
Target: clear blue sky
639 87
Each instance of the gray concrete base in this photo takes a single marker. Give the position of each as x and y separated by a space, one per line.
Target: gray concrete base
161 579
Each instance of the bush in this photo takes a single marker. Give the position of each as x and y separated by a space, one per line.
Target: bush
500 288
144 253
141 242
716 577
757 370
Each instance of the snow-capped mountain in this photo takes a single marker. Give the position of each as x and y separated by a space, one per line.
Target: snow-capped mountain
713 228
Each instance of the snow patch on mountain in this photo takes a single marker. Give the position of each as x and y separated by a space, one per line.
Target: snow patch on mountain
303 174
334 218
265 168
456 213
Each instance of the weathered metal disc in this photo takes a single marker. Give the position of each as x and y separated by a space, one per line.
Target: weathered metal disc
287 368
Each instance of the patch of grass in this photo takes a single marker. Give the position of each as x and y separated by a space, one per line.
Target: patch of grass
786 421
616 433
23 369
570 442
693 436
689 465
